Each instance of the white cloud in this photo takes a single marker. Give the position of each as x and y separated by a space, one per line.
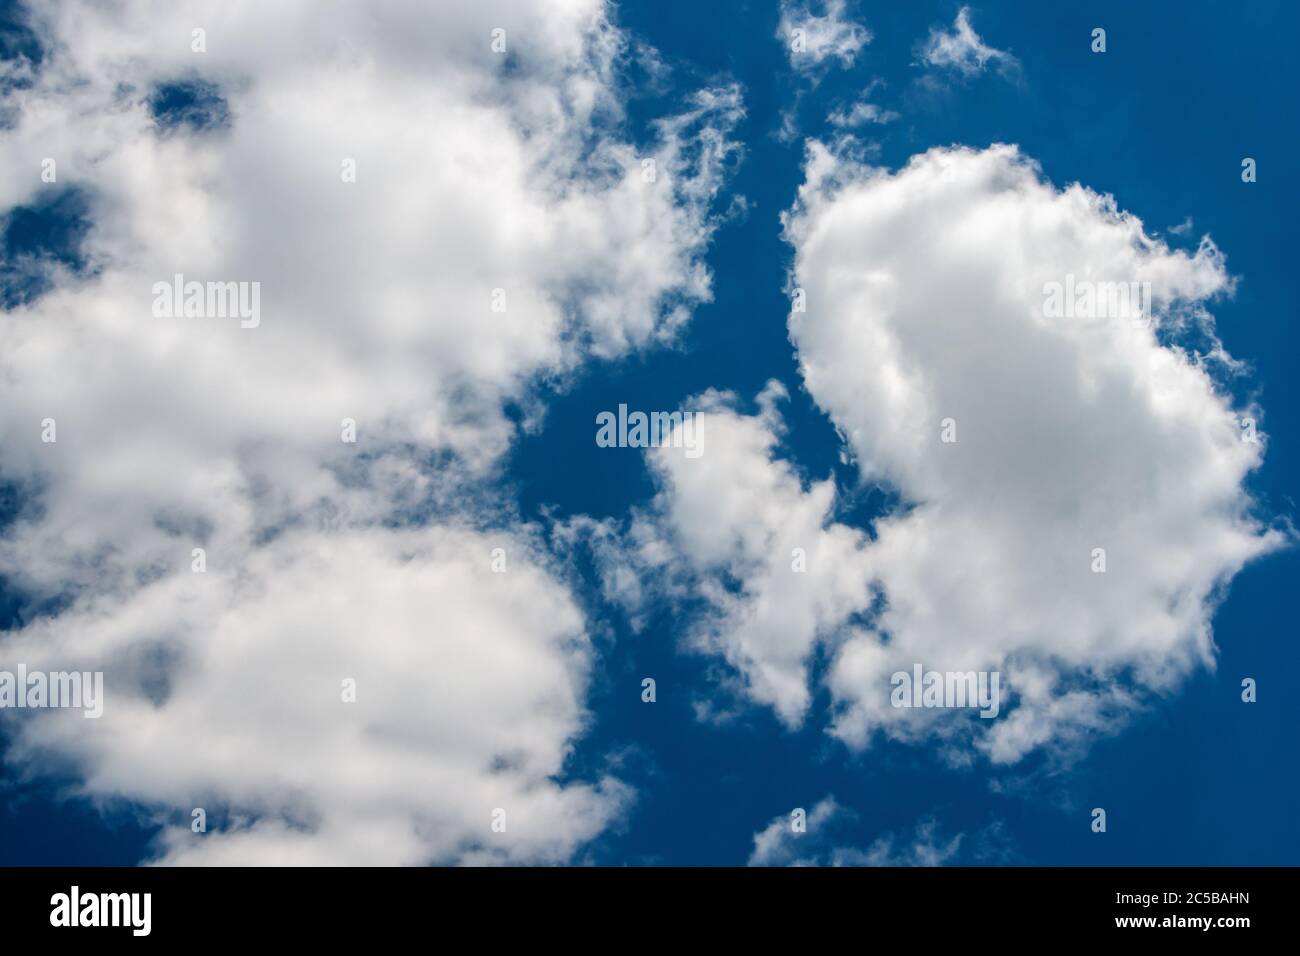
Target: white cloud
735 515
925 848
778 844
812 40
225 690
861 113
963 50
1073 434
826 830
475 171
925 302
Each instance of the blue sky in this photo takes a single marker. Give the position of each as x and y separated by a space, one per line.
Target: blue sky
1161 121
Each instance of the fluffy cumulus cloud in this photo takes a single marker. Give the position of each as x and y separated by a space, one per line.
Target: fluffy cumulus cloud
1018 443
1071 435
963 50
387 177
226 692
744 534
813 41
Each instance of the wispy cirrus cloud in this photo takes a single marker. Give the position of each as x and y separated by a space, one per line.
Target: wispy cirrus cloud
823 835
964 51
813 42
